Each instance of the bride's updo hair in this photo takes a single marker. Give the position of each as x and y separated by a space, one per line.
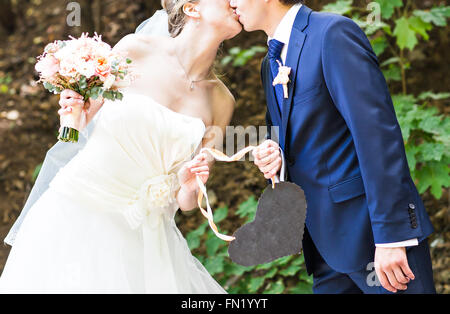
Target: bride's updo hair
177 18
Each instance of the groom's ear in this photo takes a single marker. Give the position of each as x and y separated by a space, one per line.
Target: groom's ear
191 9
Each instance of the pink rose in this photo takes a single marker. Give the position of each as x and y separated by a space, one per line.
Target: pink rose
47 66
102 67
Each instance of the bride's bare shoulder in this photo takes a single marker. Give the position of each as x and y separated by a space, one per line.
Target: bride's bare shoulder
138 43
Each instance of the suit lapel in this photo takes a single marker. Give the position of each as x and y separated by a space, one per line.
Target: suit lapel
295 48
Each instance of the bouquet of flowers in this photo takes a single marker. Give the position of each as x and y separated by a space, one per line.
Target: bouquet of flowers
87 66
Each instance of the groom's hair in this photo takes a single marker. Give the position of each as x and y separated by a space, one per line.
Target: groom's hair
288 2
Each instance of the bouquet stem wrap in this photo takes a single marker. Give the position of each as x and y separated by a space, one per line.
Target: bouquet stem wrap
70 128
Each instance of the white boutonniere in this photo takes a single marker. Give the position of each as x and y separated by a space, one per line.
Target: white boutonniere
283 78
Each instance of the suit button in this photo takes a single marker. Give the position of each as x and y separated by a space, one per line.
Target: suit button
412 206
414 224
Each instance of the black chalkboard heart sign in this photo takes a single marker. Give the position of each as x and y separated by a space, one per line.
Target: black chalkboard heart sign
277 229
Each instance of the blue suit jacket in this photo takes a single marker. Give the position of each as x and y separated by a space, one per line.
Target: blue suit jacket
343 144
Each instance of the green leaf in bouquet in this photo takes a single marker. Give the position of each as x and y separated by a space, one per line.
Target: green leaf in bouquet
52 88
95 92
129 61
108 95
82 83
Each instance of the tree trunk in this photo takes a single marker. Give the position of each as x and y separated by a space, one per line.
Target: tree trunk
87 17
7 16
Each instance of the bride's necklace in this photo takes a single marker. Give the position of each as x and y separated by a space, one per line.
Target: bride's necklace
192 82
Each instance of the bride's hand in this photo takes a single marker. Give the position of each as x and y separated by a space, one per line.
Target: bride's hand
73 104
187 174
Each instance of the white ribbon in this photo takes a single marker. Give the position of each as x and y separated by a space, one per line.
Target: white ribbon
218 155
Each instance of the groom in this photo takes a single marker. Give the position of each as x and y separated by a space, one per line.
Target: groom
342 144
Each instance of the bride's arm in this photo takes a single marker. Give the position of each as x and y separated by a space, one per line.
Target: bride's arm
223 108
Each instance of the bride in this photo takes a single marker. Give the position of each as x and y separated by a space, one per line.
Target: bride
106 222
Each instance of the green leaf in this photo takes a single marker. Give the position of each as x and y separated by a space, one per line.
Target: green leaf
255 284
226 60
305 277
291 270
431 151
234 51
271 273
248 209
214 264
390 61
212 245
434 96
284 260
434 175
340 7
301 288
379 45
193 237
421 27
275 288
388 6
393 73
411 152
220 214
406 36
437 15
265 266
235 269
36 172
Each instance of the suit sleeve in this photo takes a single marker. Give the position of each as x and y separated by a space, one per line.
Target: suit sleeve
360 93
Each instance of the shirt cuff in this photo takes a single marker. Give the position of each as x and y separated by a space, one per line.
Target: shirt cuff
412 242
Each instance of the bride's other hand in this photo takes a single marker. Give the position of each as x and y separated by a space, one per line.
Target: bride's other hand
187 174
72 102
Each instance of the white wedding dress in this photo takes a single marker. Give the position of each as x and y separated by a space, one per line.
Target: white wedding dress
106 224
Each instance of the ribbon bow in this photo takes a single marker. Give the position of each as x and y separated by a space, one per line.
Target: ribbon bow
153 197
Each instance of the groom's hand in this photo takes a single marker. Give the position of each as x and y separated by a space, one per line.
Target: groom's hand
391 266
268 158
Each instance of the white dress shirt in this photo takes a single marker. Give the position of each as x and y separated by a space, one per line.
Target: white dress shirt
283 34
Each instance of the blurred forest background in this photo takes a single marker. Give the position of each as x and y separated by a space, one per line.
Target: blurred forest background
411 41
